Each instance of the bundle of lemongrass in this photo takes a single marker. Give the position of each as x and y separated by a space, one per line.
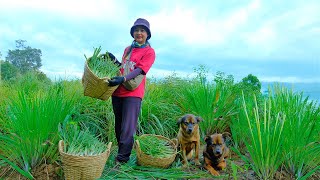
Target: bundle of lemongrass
84 144
101 64
80 142
156 147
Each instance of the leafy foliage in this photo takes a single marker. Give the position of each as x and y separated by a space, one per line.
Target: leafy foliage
24 57
250 83
8 71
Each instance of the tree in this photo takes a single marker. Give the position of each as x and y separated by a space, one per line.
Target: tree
24 57
8 71
221 78
251 82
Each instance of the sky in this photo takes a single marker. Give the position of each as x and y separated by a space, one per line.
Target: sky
275 40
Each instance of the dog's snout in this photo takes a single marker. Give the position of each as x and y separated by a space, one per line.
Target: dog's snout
218 151
190 128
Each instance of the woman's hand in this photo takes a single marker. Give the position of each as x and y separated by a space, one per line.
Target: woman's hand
116 80
113 59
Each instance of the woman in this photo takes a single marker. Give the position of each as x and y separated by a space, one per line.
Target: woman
127 103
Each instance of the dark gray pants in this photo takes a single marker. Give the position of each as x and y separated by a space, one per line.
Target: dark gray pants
126 111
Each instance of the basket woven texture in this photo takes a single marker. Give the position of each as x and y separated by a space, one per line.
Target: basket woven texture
83 167
94 86
148 160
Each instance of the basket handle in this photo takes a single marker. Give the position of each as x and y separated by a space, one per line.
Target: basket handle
137 144
109 148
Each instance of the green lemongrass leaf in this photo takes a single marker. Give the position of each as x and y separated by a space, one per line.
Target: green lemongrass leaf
33 116
102 66
264 146
307 175
81 142
300 130
155 146
15 167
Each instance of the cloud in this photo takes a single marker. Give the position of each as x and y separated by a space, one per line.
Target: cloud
99 9
194 28
236 37
7 31
281 35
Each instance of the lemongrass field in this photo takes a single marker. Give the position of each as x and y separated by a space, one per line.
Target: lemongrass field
273 136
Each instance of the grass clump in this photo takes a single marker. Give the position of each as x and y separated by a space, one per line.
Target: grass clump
265 139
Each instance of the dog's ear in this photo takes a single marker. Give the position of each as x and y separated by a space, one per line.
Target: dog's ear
226 135
208 140
199 119
180 120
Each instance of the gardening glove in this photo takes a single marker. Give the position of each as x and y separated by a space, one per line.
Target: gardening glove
114 59
116 80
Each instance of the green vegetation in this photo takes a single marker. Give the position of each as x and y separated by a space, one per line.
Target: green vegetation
101 64
20 61
79 142
265 139
300 132
8 71
24 57
273 134
30 132
154 146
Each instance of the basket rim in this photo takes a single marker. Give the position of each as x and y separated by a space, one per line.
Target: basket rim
138 149
61 144
94 86
149 160
87 67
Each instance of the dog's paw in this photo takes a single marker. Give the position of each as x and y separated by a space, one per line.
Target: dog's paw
185 164
197 162
214 173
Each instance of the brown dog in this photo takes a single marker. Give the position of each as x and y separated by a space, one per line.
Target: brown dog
189 137
215 153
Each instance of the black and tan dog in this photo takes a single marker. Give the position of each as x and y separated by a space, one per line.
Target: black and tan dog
189 138
215 153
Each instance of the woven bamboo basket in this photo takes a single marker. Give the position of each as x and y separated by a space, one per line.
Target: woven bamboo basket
94 86
148 160
83 167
